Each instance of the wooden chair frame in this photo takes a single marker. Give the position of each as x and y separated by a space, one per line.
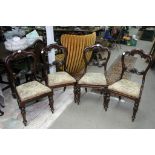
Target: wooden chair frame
32 76
58 64
103 88
133 71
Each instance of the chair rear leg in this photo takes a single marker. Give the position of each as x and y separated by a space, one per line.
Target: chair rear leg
78 94
51 102
106 97
23 113
75 94
101 92
1 113
120 98
64 88
86 90
135 109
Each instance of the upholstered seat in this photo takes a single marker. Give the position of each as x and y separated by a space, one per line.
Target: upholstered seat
59 78
93 79
126 87
31 90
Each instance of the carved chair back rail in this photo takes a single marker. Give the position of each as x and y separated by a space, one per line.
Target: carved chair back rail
127 88
93 80
143 73
57 64
98 48
57 79
16 56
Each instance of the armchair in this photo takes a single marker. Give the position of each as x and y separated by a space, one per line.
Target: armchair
75 45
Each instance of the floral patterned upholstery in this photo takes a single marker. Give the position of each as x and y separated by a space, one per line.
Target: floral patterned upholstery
127 87
93 79
59 78
31 89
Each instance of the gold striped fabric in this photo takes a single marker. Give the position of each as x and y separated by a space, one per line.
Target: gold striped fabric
75 45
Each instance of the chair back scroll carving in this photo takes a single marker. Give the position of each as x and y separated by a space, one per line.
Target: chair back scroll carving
135 70
19 55
98 48
58 64
38 45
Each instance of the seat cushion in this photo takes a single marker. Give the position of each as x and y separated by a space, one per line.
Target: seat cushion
59 78
126 87
31 89
93 79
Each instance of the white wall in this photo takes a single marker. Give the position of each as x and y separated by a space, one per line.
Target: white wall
50 40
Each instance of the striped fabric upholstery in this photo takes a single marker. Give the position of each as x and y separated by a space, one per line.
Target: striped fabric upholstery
75 45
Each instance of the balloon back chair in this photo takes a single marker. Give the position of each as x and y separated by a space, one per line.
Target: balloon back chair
91 79
127 88
30 90
37 46
75 45
57 79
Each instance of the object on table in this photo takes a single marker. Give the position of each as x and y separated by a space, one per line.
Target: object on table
17 43
132 41
126 37
16 32
32 37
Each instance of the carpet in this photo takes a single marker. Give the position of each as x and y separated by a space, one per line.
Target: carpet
38 115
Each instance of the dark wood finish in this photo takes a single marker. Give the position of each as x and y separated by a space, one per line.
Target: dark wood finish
2 71
1 113
3 54
103 88
37 46
58 64
133 71
32 76
98 48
